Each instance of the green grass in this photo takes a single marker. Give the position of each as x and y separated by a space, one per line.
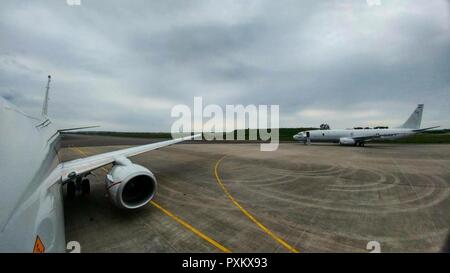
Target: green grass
285 134
125 134
424 138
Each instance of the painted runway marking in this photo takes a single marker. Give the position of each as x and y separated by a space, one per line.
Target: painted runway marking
174 217
248 214
191 228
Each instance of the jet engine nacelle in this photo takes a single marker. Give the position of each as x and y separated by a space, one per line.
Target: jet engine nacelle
346 141
130 186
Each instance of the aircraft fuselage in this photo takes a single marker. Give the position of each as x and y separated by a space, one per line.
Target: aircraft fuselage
335 136
29 209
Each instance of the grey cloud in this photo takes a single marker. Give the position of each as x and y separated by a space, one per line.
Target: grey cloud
301 55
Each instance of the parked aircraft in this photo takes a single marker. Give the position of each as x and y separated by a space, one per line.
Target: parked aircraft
359 136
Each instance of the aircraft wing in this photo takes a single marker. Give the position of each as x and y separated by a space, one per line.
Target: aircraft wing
84 165
367 138
77 128
425 129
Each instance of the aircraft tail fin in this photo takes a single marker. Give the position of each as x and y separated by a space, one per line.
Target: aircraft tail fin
415 119
46 98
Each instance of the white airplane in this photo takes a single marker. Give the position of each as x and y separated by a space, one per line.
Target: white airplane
358 137
31 180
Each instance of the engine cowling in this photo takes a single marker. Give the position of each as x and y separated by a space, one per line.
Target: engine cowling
130 186
346 141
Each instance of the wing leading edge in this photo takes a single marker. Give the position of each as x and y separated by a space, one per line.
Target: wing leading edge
84 165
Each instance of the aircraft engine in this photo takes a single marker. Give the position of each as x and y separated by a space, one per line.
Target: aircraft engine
346 141
130 186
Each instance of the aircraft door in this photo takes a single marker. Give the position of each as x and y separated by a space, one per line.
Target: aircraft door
308 140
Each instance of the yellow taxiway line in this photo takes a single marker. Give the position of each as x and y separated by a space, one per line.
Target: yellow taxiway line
248 214
191 228
176 218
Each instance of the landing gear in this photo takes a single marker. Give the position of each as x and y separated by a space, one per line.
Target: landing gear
78 185
71 189
360 144
85 186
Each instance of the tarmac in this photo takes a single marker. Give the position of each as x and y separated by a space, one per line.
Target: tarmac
300 198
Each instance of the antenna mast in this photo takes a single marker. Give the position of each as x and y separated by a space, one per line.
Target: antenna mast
45 106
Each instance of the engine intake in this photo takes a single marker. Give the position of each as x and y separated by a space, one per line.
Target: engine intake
347 141
130 186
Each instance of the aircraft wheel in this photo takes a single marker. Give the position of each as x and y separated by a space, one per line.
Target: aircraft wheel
85 186
71 190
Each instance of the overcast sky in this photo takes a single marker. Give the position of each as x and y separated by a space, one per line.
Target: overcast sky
125 64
